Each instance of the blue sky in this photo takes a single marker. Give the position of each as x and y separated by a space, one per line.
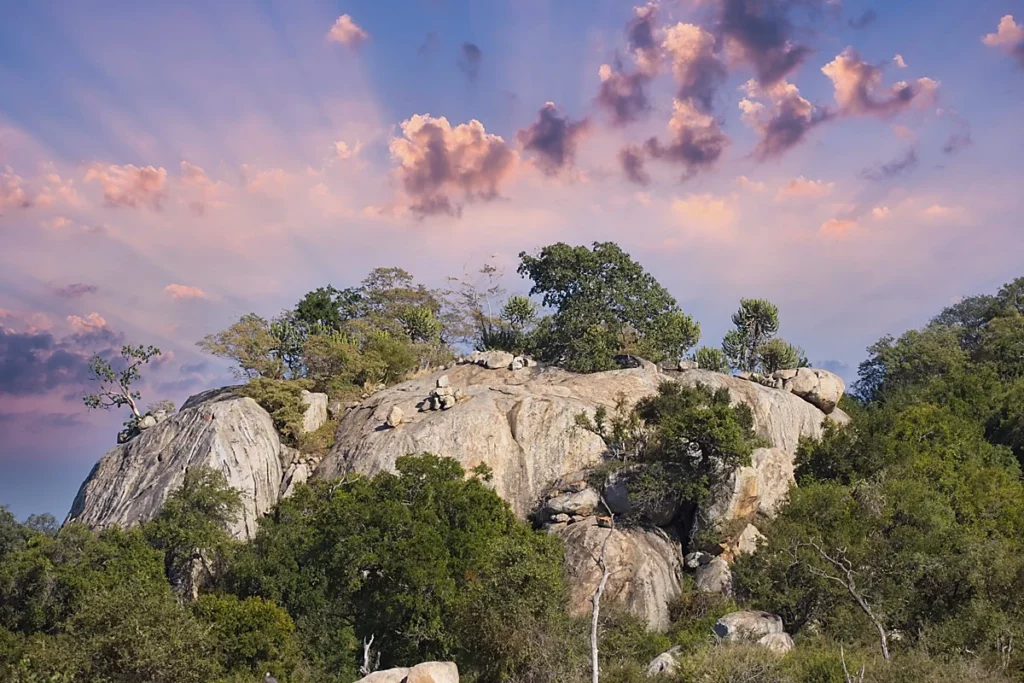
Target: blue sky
168 167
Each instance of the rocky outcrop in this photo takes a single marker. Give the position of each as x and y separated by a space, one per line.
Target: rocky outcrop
130 483
645 568
427 672
820 388
665 664
521 424
714 577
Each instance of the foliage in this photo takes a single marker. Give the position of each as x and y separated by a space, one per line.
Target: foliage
421 561
711 358
251 344
163 405
116 385
756 322
191 527
777 354
598 294
282 398
253 635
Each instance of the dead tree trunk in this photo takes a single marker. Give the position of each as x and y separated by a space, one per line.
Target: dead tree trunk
605 573
846 579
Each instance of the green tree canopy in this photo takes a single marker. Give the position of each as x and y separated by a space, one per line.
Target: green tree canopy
604 303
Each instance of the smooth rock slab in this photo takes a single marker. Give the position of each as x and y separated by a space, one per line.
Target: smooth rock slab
747 626
129 484
427 672
316 411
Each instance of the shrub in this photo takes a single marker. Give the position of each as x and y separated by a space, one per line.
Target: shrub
282 398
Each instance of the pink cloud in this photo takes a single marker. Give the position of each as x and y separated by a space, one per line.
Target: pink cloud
1008 38
748 184
185 292
90 323
436 160
880 213
859 90
706 216
129 185
780 115
12 194
28 322
274 182
57 223
803 188
347 32
837 227
203 190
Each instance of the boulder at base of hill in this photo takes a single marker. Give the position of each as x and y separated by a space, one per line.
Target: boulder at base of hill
129 484
665 663
645 567
715 577
776 642
427 672
747 626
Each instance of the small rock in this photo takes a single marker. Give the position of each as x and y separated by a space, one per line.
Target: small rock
447 402
688 365
776 642
444 391
335 409
395 417
665 663
747 542
315 414
459 394
442 381
715 577
582 503
516 364
605 522
698 558
560 518
146 422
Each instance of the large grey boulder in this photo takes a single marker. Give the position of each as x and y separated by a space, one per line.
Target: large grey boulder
821 388
645 567
234 435
780 643
427 672
523 424
714 577
747 626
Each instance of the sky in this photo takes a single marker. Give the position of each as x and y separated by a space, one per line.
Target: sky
168 167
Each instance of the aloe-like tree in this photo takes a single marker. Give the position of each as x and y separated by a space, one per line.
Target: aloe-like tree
115 389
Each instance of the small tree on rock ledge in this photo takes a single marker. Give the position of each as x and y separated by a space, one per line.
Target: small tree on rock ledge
116 385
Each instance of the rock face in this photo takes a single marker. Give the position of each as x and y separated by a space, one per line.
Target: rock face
316 411
522 424
646 569
715 577
130 483
427 672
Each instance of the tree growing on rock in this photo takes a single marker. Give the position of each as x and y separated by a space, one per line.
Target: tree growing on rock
752 345
604 304
115 390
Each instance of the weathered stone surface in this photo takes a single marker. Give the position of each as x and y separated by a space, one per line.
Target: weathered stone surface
297 473
714 577
776 642
664 664
427 672
316 411
492 360
395 417
747 626
130 483
646 568
522 425
747 542
582 503
147 422
821 388
760 488
210 396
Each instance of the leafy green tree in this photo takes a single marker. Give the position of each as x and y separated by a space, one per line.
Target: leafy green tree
710 358
191 529
1002 346
519 313
282 398
916 358
756 322
597 295
251 344
968 317
778 354
115 389
329 307
252 636
419 560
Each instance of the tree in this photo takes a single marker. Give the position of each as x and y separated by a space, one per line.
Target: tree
116 385
602 298
916 358
191 529
329 307
756 322
251 344
430 564
777 354
710 358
